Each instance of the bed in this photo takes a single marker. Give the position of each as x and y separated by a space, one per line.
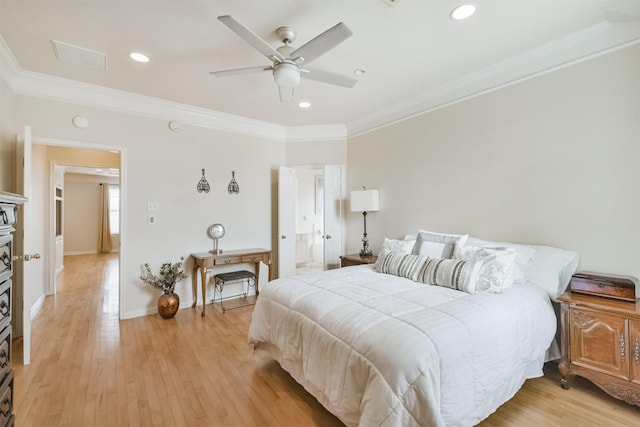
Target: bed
380 349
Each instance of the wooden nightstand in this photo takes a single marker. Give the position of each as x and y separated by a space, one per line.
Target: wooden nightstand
356 259
601 342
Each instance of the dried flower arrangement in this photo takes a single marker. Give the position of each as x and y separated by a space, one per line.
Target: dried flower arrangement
170 274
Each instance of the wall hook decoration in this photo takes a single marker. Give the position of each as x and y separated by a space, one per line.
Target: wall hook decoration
233 187
203 185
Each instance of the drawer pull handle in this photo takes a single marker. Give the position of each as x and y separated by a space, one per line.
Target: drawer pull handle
5 359
636 351
227 261
6 402
6 259
4 216
622 346
4 308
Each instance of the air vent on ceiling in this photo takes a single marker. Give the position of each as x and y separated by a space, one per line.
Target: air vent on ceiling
80 55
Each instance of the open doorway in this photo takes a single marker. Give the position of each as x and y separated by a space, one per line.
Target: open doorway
86 216
298 218
46 200
309 220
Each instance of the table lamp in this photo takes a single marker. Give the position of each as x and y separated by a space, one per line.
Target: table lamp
365 201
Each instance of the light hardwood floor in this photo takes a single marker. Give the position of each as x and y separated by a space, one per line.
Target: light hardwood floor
90 369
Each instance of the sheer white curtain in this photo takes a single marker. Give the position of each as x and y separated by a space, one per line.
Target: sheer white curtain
104 237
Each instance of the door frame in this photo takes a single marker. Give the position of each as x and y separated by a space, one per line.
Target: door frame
51 241
323 168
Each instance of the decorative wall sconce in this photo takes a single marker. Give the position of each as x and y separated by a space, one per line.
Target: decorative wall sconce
233 187
203 185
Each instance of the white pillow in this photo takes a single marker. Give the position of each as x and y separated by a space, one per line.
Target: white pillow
437 245
497 264
401 246
549 268
524 255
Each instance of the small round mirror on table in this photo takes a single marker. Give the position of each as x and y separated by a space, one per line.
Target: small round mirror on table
215 232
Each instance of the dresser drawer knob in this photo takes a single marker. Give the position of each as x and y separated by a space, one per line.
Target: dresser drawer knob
4 308
9 404
4 359
6 259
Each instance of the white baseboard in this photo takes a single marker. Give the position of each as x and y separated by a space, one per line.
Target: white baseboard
35 308
80 253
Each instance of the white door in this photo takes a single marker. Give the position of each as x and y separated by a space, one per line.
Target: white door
22 313
286 221
333 216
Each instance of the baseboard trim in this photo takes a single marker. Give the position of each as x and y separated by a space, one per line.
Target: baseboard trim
35 308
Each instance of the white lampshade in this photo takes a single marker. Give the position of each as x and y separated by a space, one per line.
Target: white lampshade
365 201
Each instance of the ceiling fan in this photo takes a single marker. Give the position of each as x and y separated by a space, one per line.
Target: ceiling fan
288 62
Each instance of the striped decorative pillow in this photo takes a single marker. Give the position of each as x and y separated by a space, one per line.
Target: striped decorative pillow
399 264
450 273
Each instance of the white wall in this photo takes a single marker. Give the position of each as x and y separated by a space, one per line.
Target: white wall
164 167
317 153
82 201
552 160
7 140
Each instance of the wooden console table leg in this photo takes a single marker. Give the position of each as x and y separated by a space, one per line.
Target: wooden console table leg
194 283
257 267
203 273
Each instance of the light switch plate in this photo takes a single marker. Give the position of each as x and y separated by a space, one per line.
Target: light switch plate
153 206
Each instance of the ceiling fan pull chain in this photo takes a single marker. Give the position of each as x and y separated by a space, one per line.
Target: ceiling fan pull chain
203 185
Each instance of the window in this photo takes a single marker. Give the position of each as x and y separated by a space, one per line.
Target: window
114 209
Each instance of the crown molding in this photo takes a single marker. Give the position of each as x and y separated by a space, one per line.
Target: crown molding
593 41
65 90
9 67
599 39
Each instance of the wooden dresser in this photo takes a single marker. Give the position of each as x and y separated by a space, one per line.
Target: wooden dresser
601 342
8 210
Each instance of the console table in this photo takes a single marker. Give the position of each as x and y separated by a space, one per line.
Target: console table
207 261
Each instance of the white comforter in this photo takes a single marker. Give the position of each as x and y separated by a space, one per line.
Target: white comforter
380 350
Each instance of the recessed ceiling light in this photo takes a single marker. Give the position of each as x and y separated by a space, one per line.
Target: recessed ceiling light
360 72
304 104
463 12
139 57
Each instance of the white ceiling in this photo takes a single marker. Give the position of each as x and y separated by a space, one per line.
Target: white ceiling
415 56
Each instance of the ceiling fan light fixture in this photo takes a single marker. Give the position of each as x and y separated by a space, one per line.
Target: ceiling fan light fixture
463 11
286 74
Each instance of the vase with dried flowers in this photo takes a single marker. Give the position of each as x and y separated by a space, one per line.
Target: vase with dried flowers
170 274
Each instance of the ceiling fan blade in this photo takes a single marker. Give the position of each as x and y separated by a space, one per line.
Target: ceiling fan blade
322 43
237 71
328 77
252 38
286 93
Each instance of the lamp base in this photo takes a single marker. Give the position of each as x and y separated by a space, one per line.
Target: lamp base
366 253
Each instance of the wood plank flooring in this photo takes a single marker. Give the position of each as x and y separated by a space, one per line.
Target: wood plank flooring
91 369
